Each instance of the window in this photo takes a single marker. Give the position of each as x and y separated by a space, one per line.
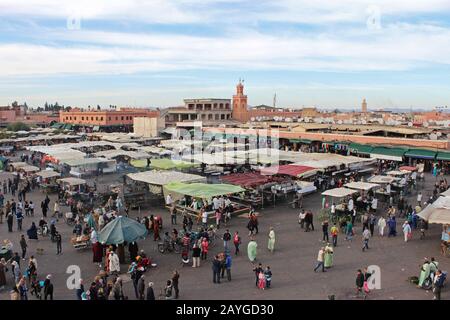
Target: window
109 118
121 118
96 118
117 118
101 118
82 118
92 118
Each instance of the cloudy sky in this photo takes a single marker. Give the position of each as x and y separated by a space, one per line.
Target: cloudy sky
327 53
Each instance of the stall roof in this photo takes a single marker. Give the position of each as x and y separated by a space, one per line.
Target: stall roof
395 154
45 174
203 190
161 178
361 148
420 154
339 192
446 193
445 156
167 164
18 164
358 185
221 158
29 168
72 181
397 173
85 161
289 169
437 212
381 179
247 180
408 168
110 154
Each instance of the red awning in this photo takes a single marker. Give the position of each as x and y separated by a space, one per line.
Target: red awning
288 169
247 180
408 168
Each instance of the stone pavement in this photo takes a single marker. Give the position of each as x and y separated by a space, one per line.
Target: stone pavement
292 262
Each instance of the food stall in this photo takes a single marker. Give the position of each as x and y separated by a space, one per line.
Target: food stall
147 187
27 170
203 192
255 184
48 180
341 194
14 166
90 166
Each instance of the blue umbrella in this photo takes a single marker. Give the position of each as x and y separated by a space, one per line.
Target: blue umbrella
120 230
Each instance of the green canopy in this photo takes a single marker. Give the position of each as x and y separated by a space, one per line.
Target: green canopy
120 230
395 154
421 154
139 163
445 156
304 141
202 190
57 125
168 164
360 148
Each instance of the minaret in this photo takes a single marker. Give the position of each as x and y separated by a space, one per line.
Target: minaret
364 106
240 112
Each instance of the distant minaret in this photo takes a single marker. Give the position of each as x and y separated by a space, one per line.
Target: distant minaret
240 112
364 106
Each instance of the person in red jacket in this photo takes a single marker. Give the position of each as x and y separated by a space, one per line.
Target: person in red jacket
205 246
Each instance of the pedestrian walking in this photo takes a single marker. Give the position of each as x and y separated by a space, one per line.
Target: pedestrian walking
205 246
268 274
381 226
334 234
23 246
226 240
325 231
252 250
320 258
257 270
271 242
175 283
196 252
58 243
216 269
237 242
406 231
366 237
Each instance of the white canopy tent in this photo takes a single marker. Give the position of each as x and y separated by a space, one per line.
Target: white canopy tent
339 192
364 186
437 212
381 179
163 177
45 174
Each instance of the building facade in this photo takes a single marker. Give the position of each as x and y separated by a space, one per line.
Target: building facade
211 111
120 117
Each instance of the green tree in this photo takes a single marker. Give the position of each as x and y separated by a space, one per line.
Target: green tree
18 126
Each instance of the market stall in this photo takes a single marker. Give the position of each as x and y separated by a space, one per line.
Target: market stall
119 231
438 212
147 186
204 193
90 166
47 180
341 195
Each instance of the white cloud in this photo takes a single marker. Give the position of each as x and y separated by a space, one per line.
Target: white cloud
395 47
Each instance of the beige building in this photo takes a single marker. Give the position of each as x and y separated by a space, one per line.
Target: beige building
148 127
